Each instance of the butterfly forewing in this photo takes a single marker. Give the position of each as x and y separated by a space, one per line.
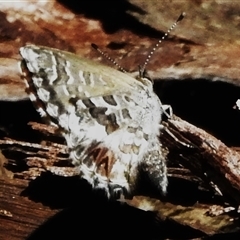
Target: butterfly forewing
110 120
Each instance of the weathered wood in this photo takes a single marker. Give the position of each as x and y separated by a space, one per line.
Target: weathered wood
205 156
217 165
198 156
19 216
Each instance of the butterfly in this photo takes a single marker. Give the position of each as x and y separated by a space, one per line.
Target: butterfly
111 121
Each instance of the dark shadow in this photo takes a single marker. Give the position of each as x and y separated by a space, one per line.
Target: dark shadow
113 15
89 215
206 104
14 120
92 220
56 191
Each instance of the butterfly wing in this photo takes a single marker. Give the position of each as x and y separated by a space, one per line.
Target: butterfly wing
110 120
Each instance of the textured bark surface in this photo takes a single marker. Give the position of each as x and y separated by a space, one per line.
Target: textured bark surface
197 72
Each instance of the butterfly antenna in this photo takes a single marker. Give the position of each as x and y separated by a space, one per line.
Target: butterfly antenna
159 42
105 55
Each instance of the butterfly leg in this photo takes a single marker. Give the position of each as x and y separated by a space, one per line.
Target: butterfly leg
167 110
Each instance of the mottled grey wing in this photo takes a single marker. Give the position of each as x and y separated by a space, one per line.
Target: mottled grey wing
82 76
109 119
60 79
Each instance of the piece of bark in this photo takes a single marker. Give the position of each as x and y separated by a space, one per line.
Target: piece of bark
205 156
193 148
19 216
189 147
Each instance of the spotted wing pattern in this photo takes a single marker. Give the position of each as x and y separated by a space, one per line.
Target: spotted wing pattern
110 121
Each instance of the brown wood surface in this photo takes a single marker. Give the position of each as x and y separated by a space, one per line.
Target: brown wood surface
19 216
51 185
198 71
